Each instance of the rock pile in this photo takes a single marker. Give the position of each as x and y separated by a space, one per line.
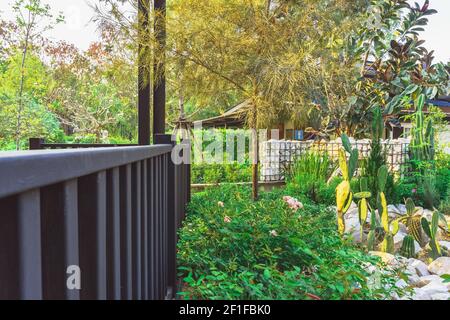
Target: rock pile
425 281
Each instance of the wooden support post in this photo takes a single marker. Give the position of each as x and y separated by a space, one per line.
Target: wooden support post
159 81
144 75
36 143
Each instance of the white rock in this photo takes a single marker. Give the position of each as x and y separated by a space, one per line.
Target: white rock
445 244
370 268
402 228
440 266
420 294
353 206
390 259
433 288
428 214
420 267
426 280
440 296
401 284
351 223
398 239
396 211
413 279
417 247
356 235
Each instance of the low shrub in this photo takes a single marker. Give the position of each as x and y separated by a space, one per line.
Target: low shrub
309 176
435 194
233 248
222 173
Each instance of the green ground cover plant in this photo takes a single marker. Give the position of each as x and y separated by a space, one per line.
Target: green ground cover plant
233 248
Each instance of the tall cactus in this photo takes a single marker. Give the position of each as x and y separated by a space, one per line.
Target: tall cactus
422 143
344 194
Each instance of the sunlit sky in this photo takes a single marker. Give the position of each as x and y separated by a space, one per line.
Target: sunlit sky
80 31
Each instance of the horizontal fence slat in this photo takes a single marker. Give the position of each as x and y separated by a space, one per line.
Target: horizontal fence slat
26 170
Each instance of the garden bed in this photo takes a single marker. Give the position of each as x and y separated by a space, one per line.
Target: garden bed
233 248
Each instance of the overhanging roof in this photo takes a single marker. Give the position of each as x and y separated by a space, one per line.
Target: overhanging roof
235 117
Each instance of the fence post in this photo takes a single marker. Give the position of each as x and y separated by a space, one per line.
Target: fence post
172 223
36 143
187 168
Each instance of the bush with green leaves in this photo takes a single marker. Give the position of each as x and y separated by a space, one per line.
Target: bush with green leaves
233 248
221 173
309 175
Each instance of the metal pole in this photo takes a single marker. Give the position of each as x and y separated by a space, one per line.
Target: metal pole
159 83
143 76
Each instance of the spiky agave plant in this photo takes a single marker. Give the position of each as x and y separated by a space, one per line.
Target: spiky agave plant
344 194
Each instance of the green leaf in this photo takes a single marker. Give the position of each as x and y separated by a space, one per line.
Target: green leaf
346 143
410 89
446 278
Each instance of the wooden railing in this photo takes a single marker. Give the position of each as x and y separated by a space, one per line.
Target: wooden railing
111 212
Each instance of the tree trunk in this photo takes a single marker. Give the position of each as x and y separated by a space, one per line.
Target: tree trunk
255 148
22 81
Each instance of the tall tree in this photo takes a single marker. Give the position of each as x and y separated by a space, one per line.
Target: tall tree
266 52
33 19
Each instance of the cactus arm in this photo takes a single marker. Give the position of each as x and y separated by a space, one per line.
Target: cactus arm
341 223
371 240
382 178
362 214
408 249
343 164
384 212
352 163
346 143
410 206
414 226
431 231
426 227
364 184
342 194
395 226
388 243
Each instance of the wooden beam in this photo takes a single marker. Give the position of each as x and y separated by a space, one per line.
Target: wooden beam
143 76
159 81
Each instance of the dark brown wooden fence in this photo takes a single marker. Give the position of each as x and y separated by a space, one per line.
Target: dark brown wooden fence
113 212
